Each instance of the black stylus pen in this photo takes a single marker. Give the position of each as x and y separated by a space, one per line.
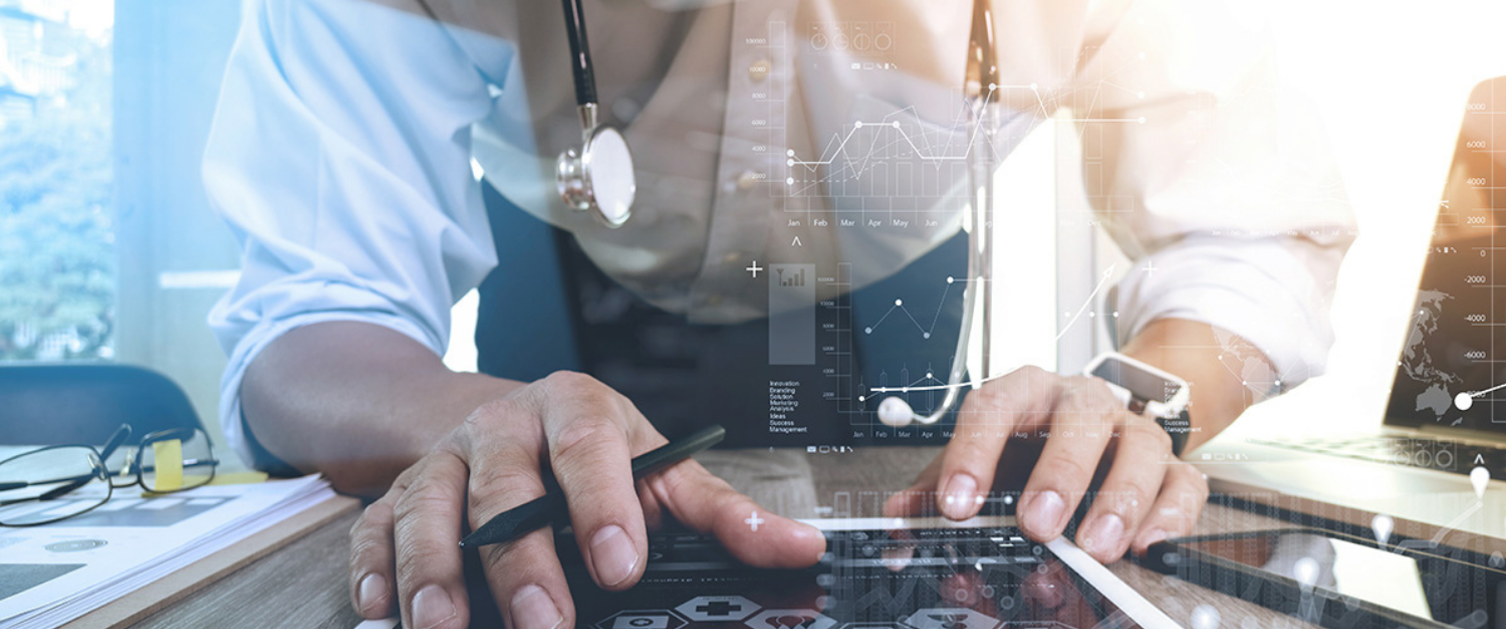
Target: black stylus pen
539 512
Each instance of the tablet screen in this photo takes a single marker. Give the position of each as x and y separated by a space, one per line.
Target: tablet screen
1415 577
960 578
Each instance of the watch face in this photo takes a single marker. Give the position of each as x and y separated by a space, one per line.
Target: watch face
1142 385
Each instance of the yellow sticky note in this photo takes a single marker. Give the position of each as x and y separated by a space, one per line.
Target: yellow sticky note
168 455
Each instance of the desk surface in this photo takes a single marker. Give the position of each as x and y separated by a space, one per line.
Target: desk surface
303 584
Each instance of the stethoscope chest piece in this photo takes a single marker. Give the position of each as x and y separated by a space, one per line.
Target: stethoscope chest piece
599 178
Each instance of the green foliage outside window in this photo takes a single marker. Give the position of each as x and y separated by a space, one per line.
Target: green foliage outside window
57 253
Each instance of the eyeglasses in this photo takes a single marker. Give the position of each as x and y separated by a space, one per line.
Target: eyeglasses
55 483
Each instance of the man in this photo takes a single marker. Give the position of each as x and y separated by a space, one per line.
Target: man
342 158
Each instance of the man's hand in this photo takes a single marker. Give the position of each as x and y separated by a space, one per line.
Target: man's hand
1147 493
584 433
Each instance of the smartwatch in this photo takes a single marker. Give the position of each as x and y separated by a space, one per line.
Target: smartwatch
1146 390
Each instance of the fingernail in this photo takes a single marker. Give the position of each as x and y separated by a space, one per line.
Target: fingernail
533 609
369 591
1044 593
958 503
613 555
1104 534
1045 512
432 606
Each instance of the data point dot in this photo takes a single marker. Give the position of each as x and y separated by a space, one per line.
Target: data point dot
899 302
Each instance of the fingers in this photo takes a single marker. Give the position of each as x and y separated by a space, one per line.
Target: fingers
1082 423
988 417
586 426
1176 509
371 560
1141 458
426 536
753 535
528 583
524 575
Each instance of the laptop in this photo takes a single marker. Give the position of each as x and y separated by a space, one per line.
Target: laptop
1447 410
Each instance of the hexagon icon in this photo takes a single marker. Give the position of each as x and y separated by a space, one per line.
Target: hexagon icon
714 608
790 619
642 619
951 618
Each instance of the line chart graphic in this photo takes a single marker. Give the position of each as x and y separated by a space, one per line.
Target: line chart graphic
901 155
922 386
899 304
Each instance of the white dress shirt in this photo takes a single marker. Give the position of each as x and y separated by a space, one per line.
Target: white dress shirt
342 147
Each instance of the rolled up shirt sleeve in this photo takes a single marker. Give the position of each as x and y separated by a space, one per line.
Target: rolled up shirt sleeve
340 158
1213 177
1261 290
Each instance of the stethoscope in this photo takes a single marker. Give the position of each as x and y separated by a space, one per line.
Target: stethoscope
599 179
980 83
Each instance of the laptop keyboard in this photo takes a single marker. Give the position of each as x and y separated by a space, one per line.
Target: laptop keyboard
1444 455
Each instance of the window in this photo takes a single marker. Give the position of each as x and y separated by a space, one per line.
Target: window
57 256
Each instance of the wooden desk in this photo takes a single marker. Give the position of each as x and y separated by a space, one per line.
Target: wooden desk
303 584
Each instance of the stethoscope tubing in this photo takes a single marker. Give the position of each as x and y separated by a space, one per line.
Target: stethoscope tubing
581 67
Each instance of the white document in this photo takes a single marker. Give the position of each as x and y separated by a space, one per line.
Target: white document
52 574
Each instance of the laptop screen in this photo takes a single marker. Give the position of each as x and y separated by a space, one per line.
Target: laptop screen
1452 369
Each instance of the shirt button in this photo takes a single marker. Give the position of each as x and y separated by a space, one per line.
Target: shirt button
746 180
759 70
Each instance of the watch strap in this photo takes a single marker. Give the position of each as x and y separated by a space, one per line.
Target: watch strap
1178 428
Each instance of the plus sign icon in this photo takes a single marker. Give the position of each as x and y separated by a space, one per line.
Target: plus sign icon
642 619
713 608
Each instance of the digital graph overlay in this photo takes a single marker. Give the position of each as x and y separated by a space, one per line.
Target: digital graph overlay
891 167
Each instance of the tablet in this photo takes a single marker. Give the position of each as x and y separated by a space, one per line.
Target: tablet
877 573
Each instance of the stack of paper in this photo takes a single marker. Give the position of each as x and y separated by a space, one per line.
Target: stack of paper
53 574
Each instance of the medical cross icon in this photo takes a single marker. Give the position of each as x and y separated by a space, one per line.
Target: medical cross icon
719 608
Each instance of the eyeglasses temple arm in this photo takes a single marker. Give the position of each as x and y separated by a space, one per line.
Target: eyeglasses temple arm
63 489
116 440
